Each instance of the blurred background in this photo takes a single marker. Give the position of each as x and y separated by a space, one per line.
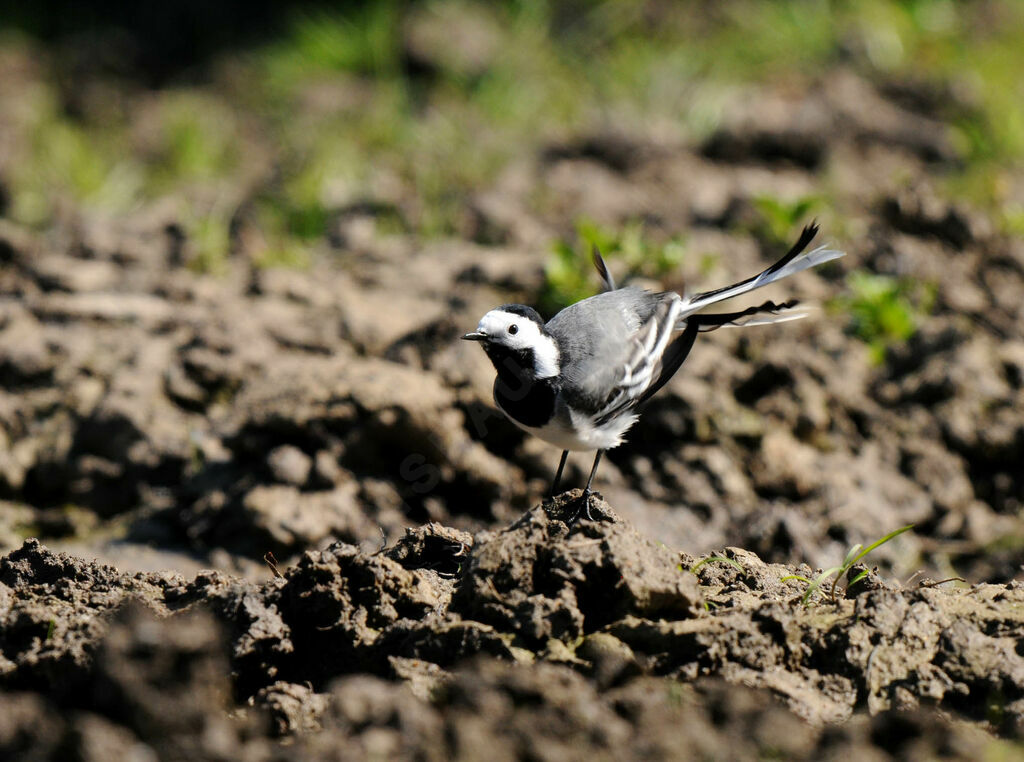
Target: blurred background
301 110
238 243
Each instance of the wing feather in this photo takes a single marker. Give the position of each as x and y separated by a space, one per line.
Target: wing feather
644 363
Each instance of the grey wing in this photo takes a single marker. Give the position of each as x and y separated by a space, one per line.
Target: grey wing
612 345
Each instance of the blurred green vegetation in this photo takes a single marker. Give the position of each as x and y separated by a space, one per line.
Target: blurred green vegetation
885 310
342 107
780 218
570 274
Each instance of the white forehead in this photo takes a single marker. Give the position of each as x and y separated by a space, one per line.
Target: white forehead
496 323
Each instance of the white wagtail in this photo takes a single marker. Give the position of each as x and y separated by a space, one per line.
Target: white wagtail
577 380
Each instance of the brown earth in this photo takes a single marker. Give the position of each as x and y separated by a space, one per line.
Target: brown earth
538 641
158 418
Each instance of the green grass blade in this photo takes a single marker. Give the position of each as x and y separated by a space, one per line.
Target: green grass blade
717 559
798 577
818 582
851 555
858 578
879 543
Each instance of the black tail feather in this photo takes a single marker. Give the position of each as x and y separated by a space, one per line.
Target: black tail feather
805 238
709 322
602 269
802 243
677 352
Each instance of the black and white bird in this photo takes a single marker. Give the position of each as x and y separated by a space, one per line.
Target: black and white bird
577 381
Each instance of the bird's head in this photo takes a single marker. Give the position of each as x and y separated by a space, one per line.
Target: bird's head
513 337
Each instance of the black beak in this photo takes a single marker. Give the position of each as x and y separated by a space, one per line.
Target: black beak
476 336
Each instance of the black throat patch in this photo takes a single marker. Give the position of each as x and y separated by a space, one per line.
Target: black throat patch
522 397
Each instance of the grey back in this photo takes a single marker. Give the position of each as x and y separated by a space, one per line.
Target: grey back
595 339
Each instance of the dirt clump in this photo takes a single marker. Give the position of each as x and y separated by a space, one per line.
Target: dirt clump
460 643
545 580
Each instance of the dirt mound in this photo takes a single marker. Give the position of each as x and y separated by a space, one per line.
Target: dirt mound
545 581
541 638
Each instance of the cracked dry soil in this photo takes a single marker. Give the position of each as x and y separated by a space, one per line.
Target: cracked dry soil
535 641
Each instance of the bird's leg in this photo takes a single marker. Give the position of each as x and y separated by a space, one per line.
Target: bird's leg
558 474
586 490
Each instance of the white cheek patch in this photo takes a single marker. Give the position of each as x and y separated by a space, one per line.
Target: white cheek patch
545 357
527 336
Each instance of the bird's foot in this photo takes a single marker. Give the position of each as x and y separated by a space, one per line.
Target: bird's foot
585 506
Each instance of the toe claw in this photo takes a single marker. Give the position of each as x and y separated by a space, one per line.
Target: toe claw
584 502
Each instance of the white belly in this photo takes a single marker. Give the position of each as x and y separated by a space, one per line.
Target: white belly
581 435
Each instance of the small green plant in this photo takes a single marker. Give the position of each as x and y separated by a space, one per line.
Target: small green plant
716 560
61 160
211 238
363 41
885 310
855 554
569 273
285 253
781 217
1012 220
197 140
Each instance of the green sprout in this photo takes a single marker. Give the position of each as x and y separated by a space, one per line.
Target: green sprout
568 275
211 237
363 42
198 140
1012 220
855 554
885 310
779 217
61 160
285 253
716 560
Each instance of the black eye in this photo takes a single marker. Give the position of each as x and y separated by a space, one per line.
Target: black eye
513 329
